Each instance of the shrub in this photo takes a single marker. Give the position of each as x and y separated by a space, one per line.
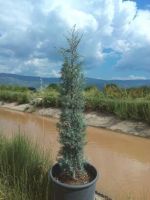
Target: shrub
51 99
13 96
71 125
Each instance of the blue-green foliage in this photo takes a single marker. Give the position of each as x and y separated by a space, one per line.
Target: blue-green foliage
72 124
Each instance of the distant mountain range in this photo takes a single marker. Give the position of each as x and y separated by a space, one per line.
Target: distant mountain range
32 81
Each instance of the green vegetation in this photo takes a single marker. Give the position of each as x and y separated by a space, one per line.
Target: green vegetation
50 98
14 94
54 86
23 170
132 103
13 88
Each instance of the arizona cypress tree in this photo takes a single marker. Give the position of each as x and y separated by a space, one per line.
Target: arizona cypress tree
72 124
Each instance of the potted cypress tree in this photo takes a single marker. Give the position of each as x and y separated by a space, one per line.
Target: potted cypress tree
72 177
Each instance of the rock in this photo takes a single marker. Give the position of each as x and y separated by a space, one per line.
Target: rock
100 196
50 112
14 106
36 101
100 120
97 197
132 128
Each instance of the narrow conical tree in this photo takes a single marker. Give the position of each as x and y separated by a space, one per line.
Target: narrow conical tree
72 123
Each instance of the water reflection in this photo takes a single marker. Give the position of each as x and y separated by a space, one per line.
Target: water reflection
123 161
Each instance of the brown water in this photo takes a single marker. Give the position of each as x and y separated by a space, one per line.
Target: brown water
123 161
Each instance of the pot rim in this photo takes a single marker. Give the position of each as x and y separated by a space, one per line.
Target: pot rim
81 186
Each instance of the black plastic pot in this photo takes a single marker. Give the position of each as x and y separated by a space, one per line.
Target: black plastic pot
62 191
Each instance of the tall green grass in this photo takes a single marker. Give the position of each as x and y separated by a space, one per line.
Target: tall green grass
138 110
23 170
14 96
117 101
124 108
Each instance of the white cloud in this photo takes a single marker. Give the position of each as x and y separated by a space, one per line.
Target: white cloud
55 73
82 19
30 31
139 28
130 77
40 62
136 58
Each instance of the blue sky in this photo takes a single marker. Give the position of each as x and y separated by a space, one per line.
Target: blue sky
115 44
143 4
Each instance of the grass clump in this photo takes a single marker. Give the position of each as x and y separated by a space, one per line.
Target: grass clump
14 96
23 170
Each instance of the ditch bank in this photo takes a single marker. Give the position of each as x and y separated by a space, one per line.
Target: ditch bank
94 119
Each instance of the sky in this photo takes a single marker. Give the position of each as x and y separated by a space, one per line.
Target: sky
115 43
